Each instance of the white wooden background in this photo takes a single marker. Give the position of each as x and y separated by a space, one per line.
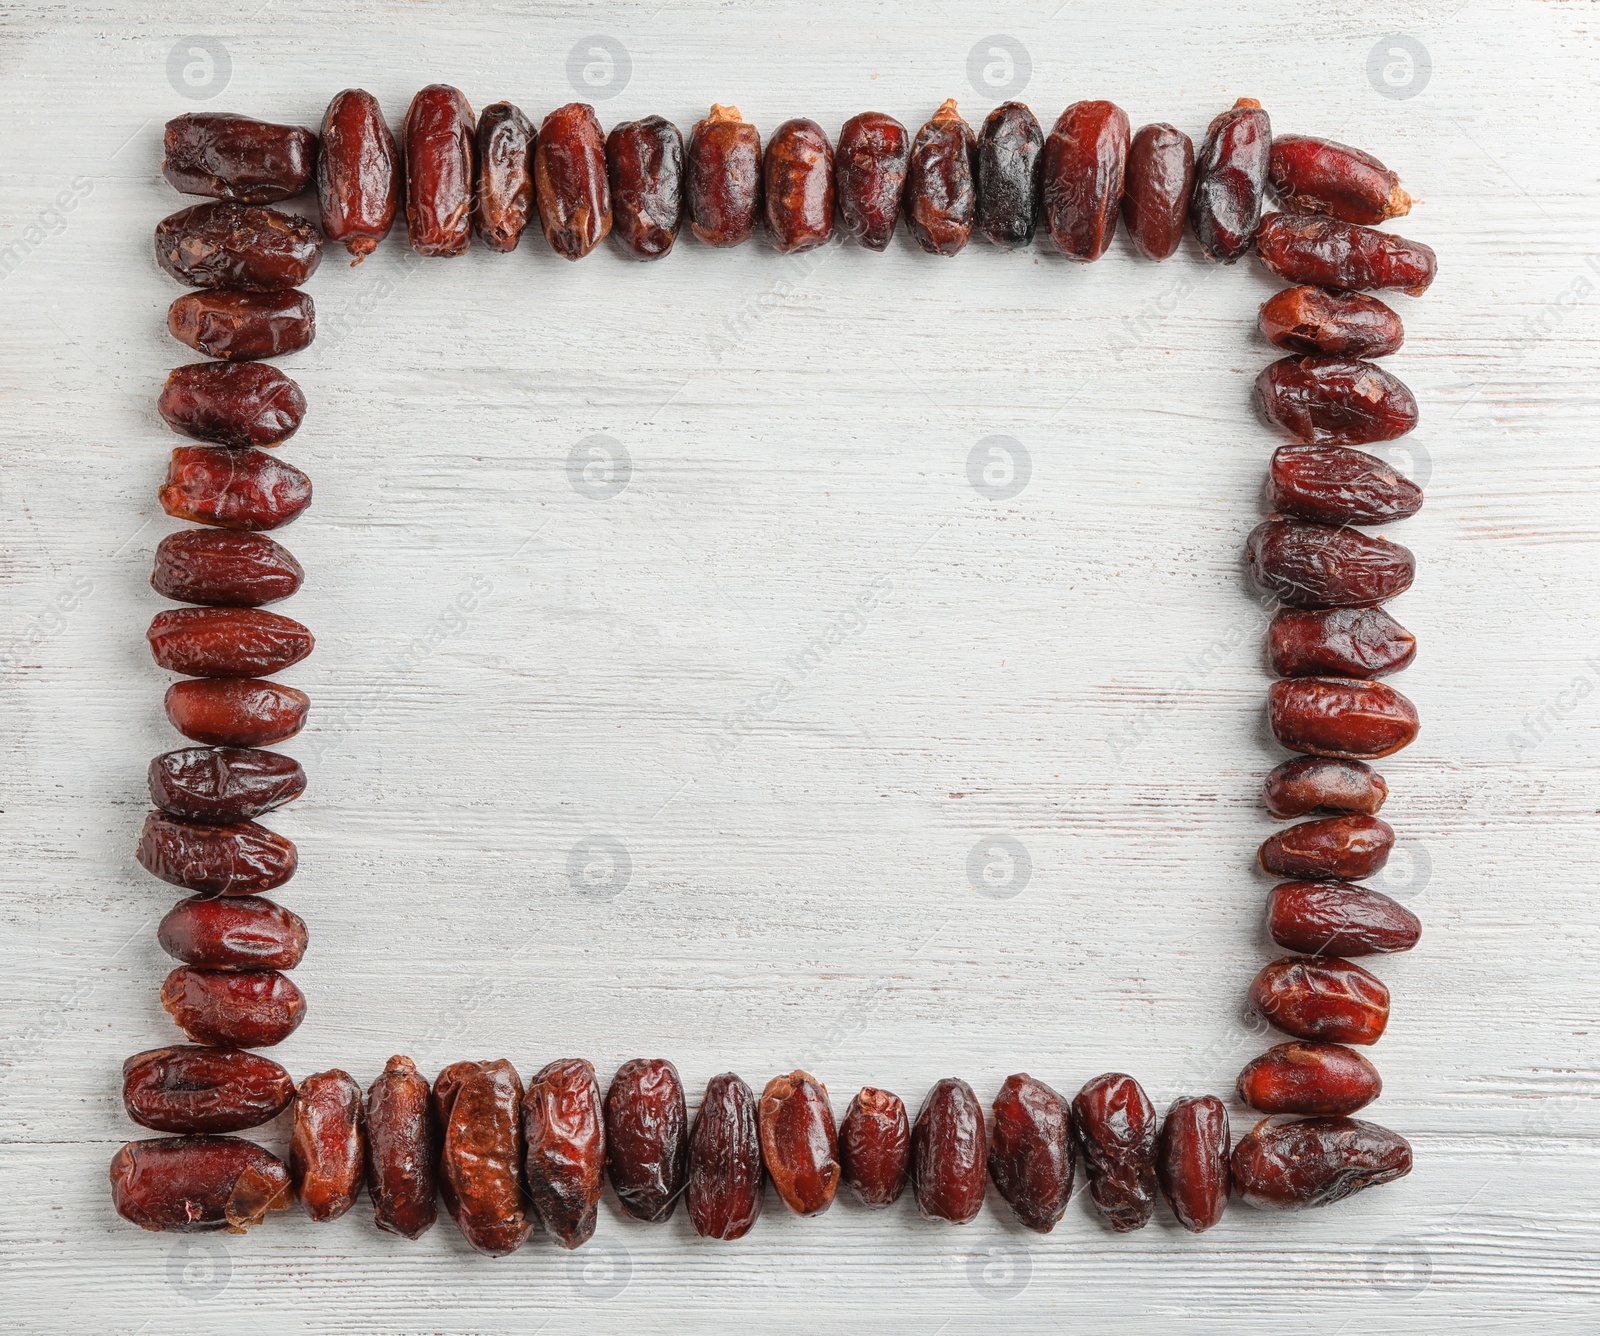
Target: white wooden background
508 667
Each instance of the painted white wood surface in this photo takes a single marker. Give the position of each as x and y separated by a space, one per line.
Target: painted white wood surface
507 667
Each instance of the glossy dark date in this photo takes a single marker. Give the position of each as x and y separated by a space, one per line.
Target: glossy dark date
233 489
1157 188
233 932
328 1146
1338 642
236 158
190 1088
570 181
226 642
1322 997
225 568
1085 159
227 245
645 163
193 1183
1335 716
869 169
504 200
1316 1161
236 859
1322 566
875 1147
232 403
1230 181
1330 401
949 1167
1345 847
438 137
1192 1161
233 1008
1115 1125
402 1151
234 325
1336 485
1335 324
1032 1153
647 1138
799 1142
1306 784
724 178
1010 156
478 1107
1345 256
725 1173
236 711
1316 1078
563 1130
797 187
1311 175
358 174
941 194
223 784
1335 918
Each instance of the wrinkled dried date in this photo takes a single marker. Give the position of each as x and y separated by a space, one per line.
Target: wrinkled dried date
1192 1161
223 567
1085 158
504 199
645 165
1322 997
1312 1077
647 1138
236 859
1230 180
948 1154
233 932
223 784
563 1128
799 1143
235 1008
1157 187
1115 1125
1336 485
1311 175
232 403
1309 784
1032 1154
402 1151
1346 256
197 1183
724 178
1335 716
478 1106
869 172
226 245
725 1175
1331 401
797 186
875 1147
1010 154
328 1147
226 642
1322 566
1338 642
233 489
1335 324
438 160
236 158
1336 919
187 1088
1316 1161
358 174
236 711
1346 847
570 181
235 325
941 193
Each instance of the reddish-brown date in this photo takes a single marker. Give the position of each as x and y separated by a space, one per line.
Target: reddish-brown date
504 200
724 178
647 1138
1336 485
1316 1161
1346 256
233 932
1115 1125
223 784
233 489
1335 716
570 181
1336 324
1306 784
1338 642
948 1166
235 325
1230 180
1311 175
1329 401
869 173
1303 1077
240 858
564 1133
234 1008
1010 154
478 1106
233 157
941 194
1032 1154
402 1151
328 1147
226 568
188 1088
232 403
438 160
226 642
644 162
1156 189
236 711
1085 159
875 1147
1192 1161
1336 919
1322 997
1346 847
799 1142
188 1184
725 1175
227 245
358 174
797 185
1322 566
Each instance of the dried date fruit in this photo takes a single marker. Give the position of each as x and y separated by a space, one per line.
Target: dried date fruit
1322 566
504 200
197 1183
188 1088
797 185
478 1106
570 182
948 1168
647 1138
236 859
1192 1161
1322 997
358 174
234 325
1346 847
563 1128
402 1151
1302 1077
941 193
1032 1154
1329 401
1085 159
328 1148
226 642
644 162
1335 716
233 932
438 159
233 489
724 178
1311 175
1115 1125
226 245
224 567
1338 642
1307 784
725 1175
223 784
1230 181
1336 324
234 157
1336 919
1157 188
1346 256
875 1147
1336 485
799 1142
232 403
236 711
869 171
1010 155
1316 1161
234 1008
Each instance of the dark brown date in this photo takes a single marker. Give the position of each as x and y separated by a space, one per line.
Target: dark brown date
236 859
187 1088
1334 716
478 1106
948 1168
941 194
1322 997
235 932
233 1008
328 1147
225 568
1115 1125
1311 175
232 403
1336 919
1336 485
1335 324
226 642
570 182
644 161
233 157
1309 784
233 489
504 199
797 185
1085 159
402 1151
438 161
1316 1161
1032 1154
1230 181
1010 154
1338 642
1157 188
226 245
1346 847
725 1176
799 1142
1192 1161
1329 401
869 172
563 1128
1302 1077
223 784
234 325
647 1138
236 711
358 174
724 178
1346 256
875 1147
187 1184
1323 566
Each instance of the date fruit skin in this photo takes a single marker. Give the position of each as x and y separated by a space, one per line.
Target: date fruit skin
190 1088
236 711
358 174
1316 1161
1085 159
1335 324
725 1173
189 1184
1345 847
645 165
1230 181
223 784
1333 484
797 185
1309 565
226 245
1010 157
1192 1161
224 568
233 932
1348 719
438 135
570 180
875 1147
564 1132
236 859
478 1106
233 1008
799 1142
1032 1154
402 1151
232 403
236 158
1338 642
226 642
647 1138
1322 997
233 489
1311 175
236 325
724 178
1343 256
1306 784
1330 401
1336 919
504 200
949 1170
941 194
1115 1125
1157 188
328 1147
869 174
1301 1077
